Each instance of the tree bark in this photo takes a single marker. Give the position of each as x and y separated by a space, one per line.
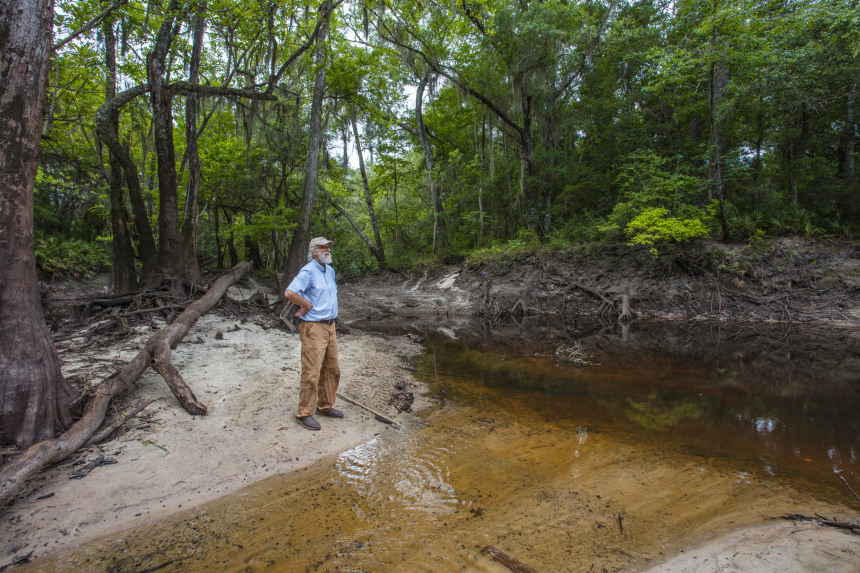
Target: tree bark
124 275
34 396
105 116
189 219
155 354
433 189
379 251
169 238
302 235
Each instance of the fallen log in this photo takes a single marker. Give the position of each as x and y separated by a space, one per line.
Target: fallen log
156 353
108 433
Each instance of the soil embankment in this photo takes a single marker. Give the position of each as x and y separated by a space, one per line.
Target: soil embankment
786 280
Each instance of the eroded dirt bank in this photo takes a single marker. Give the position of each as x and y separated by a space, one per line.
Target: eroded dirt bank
785 280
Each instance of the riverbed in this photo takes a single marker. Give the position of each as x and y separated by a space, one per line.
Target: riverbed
581 446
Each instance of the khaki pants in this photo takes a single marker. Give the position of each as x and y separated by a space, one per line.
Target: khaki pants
320 369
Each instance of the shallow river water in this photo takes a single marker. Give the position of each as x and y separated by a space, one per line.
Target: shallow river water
576 447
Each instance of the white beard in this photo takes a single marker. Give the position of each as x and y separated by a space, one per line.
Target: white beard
326 258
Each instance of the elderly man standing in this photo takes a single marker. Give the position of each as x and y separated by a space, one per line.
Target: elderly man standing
314 291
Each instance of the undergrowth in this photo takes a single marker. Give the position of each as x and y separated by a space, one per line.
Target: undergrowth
69 257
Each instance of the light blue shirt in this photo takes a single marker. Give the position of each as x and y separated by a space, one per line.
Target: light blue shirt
316 283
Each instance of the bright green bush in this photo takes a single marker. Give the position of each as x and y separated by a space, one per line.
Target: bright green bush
657 207
71 257
656 226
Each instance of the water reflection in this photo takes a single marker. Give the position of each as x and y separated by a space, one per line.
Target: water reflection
778 400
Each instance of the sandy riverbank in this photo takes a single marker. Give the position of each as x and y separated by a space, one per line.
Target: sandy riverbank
167 460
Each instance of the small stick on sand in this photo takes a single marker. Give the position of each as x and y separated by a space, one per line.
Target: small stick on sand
839 475
508 560
379 416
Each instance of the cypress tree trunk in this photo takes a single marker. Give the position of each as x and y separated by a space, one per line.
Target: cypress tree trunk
433 188
169 238
107 118
379 251
34 396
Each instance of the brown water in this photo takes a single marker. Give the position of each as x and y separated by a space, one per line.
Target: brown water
632 447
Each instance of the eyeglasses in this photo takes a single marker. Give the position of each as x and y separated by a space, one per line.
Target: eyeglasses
323 248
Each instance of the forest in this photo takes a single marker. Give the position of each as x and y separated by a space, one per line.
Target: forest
182 136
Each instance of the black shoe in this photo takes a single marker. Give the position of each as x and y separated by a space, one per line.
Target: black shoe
331 413
309 423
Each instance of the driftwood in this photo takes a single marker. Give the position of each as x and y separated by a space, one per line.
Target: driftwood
156 353
508 560
852 526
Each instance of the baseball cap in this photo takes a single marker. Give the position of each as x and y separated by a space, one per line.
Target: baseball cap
320 242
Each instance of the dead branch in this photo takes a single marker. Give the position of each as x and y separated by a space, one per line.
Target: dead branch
154 309
109 432
379 416
156 353
839 475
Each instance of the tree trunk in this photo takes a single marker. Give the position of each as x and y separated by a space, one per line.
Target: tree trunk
302 235
719 78
252 247
169 238
34 396
108 133
219 251
435 196
189 219
124 276
379 251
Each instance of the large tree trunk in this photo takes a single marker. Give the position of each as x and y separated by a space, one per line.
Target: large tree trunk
124 276
189 219
169 238
302 235
34 396
155 354
379 251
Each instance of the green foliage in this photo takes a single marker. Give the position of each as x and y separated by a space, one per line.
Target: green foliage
626 110
69 257
655 209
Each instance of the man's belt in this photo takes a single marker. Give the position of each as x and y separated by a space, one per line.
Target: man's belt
325 321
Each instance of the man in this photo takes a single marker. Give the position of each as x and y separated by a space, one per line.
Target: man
314 291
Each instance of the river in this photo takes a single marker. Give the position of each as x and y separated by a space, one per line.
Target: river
571 447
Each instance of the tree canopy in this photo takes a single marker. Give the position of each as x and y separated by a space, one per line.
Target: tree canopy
478 123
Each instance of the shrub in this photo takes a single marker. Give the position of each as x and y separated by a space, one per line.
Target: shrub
71 257
657 207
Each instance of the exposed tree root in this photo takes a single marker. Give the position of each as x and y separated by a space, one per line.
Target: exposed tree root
156 353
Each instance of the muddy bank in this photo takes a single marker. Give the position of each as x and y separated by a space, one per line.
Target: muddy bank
785 280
